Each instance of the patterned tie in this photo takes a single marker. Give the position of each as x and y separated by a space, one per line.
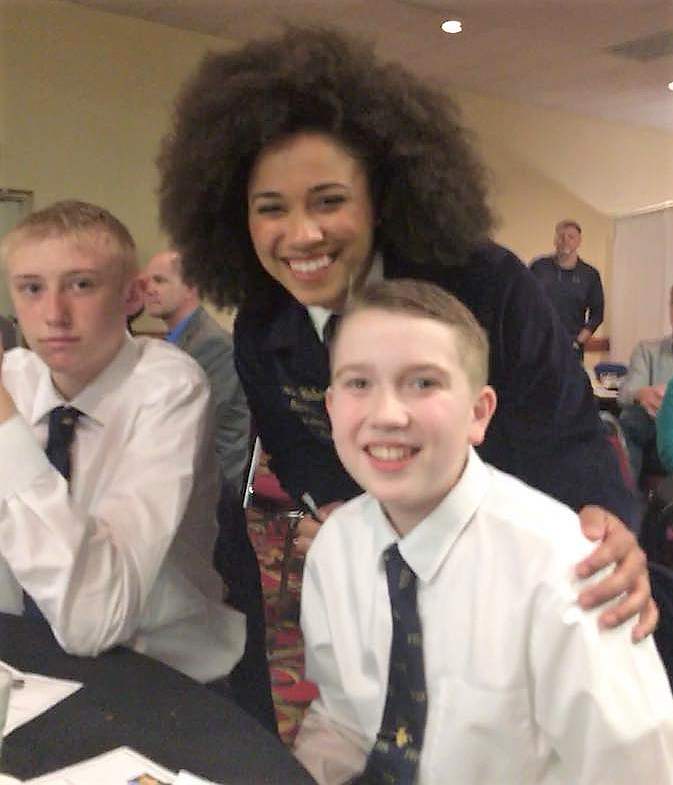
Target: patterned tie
394 757
62 422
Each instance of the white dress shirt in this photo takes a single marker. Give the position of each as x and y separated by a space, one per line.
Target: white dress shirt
523 688
124 553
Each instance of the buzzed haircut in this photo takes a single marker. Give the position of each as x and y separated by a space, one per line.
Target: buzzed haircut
87 224
429 301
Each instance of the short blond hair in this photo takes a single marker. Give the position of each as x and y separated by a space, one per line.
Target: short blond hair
88 224
429 301
565 223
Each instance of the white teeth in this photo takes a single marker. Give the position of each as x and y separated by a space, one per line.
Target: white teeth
389 453
309 265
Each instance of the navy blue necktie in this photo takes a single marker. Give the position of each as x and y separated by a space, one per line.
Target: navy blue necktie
62 422
394 757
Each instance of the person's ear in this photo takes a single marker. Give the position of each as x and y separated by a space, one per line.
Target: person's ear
482 411
135 294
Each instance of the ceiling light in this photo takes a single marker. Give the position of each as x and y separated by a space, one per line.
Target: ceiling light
670 85
452 26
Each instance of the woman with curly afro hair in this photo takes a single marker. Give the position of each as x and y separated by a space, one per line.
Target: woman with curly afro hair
300 166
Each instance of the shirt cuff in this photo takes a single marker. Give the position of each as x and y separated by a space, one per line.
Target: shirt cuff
21 457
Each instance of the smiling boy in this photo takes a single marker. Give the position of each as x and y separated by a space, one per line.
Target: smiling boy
505 680
108 534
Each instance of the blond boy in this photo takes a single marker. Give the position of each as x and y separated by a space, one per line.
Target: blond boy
110 538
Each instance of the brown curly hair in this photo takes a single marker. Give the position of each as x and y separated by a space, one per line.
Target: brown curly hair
428 186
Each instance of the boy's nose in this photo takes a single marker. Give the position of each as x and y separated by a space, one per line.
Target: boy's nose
56 308
389 410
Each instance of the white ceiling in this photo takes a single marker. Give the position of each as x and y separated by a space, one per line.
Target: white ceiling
549 52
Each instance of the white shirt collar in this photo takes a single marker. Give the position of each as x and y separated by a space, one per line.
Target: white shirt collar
427 544
319 315
91 401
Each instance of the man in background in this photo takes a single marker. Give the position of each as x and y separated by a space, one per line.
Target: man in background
573 286
169 298
640 395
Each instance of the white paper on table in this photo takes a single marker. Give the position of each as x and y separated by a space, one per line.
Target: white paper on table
187 778
121 766
35 696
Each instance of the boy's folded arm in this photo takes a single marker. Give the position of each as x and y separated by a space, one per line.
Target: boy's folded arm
331 753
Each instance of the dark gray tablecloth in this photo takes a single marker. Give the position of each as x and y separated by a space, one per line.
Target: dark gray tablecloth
129 699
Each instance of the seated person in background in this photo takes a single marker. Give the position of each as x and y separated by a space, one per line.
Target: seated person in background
664 428
7 333
573 286
169 298
488 670
110 534
640 395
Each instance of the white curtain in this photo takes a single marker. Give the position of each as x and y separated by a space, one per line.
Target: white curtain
641 280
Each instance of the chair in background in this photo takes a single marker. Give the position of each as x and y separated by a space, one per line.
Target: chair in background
7 333
656 534
615 437
263 490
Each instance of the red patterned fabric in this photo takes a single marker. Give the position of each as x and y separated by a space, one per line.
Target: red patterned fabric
292 693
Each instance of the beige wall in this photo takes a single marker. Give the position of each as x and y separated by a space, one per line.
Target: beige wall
549 165
85 97
84 100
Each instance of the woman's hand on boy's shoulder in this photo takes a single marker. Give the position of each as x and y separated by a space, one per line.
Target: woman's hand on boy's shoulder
629 579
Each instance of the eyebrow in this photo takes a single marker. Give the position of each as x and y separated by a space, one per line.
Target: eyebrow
351 368
415 368
68 273
312 190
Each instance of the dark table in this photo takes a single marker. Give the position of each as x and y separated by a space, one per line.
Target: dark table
129 699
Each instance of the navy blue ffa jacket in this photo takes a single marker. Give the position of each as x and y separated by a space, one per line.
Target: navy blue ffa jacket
545 430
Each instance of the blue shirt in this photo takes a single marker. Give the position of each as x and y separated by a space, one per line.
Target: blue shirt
177 331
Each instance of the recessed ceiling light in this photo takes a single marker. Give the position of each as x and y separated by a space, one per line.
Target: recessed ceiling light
452 26
670 85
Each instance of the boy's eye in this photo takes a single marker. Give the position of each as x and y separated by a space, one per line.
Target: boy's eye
80 284
424 383
30 287
356 383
